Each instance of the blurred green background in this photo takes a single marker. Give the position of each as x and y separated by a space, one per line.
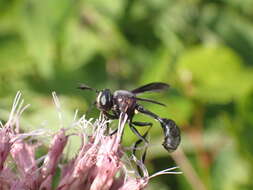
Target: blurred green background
202 48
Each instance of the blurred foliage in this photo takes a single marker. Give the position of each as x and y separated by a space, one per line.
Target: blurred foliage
202 48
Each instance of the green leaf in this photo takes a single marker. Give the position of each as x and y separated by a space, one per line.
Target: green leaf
213 74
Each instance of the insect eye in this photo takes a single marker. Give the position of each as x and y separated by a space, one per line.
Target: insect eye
104 99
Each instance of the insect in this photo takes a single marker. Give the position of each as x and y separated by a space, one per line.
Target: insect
112 104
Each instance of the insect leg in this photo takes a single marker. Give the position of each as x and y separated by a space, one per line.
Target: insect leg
110 116
142 124
140 109
135 131
136 144
139 142
171 130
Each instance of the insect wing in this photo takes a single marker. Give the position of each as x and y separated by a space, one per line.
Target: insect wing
151 87
151 101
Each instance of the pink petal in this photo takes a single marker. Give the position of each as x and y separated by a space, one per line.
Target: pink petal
54 154
5 146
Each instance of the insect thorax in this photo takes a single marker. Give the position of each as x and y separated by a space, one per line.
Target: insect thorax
124 101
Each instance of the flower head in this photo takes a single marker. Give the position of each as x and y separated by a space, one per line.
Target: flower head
98 165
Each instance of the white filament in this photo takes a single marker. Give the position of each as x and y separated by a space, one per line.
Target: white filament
58 107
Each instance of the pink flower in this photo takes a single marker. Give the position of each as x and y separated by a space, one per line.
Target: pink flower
23 155
5 146
99 164
55 151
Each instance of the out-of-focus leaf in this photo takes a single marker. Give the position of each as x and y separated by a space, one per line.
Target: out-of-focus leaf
245 7
41 31
179 109
108 7
80 45
229 26
230 171
213 74
158 68
245 107
176 23
13 63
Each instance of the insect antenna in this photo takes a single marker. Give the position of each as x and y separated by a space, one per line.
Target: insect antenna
85 87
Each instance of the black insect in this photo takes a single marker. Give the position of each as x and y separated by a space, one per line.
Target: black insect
122 101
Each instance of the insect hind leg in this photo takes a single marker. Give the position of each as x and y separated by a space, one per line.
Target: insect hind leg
136 132
141 138
143 157
142 124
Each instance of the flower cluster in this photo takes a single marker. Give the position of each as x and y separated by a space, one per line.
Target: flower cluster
98 165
